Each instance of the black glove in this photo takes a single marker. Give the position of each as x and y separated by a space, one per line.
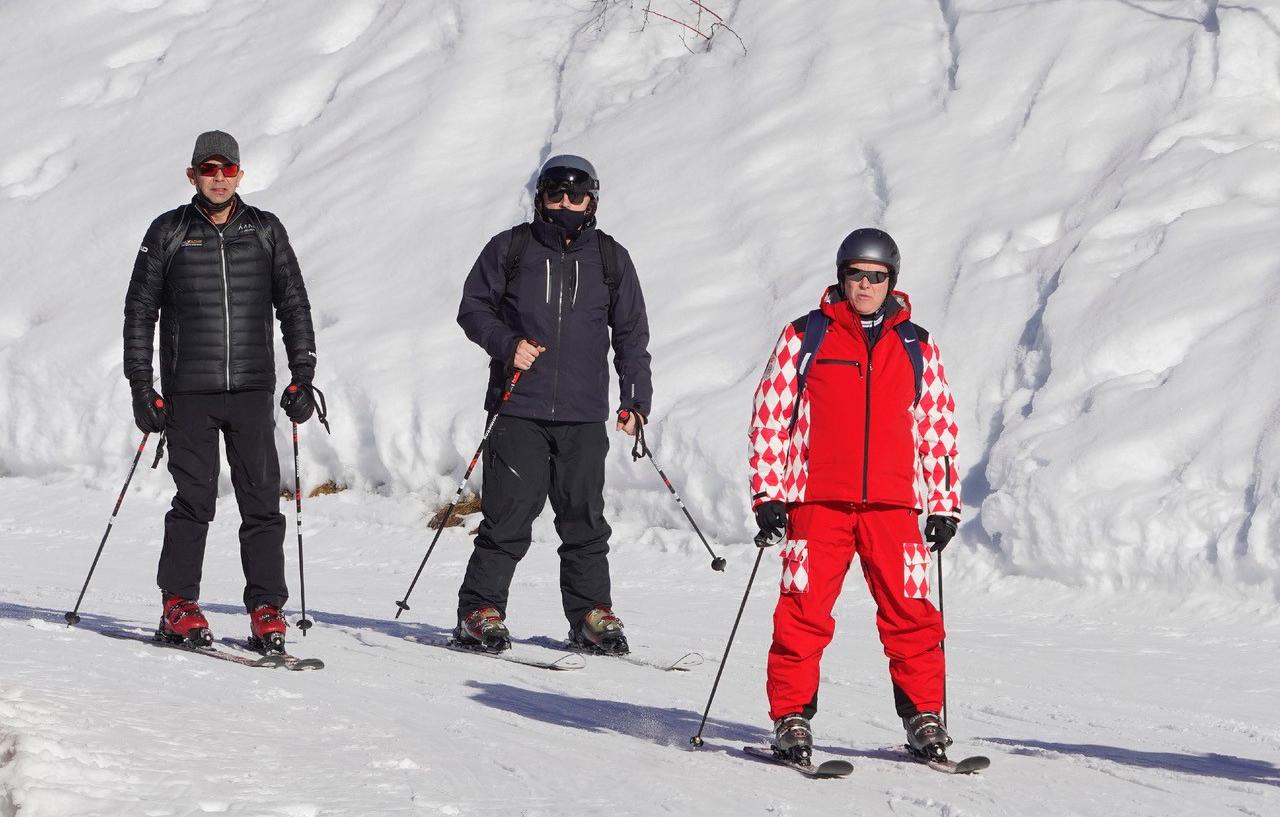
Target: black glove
771 518
297 403
938 531
148 408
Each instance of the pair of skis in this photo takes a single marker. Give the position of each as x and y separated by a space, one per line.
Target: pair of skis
569 658
237 654
830 769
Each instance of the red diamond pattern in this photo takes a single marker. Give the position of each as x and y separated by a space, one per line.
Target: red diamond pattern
936 436
795 566
915 570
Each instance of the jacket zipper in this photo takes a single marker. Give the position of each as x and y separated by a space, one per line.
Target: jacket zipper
855 364
555 381
866 437
866 432
226 304
226 287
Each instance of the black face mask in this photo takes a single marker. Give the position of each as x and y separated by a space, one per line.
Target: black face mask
571 221
210 207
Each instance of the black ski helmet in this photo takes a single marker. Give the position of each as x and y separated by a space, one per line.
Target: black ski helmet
868 244
570 173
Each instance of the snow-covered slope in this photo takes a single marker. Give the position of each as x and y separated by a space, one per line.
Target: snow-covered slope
1086 709
1086 195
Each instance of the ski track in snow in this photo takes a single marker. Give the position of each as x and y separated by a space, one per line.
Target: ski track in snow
1086 705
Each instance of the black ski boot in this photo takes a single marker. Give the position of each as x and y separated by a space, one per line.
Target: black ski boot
926 736
482 630
793 739
600 632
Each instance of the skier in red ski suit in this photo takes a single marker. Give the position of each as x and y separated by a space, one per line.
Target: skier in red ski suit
846 429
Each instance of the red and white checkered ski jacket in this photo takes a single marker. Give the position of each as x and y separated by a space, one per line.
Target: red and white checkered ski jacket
859 435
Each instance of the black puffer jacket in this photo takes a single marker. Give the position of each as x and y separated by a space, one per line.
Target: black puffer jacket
214 295
559 298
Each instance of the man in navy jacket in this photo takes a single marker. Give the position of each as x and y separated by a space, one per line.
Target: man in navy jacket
549 298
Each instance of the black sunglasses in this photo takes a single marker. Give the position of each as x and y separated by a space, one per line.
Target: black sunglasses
855 274
558 194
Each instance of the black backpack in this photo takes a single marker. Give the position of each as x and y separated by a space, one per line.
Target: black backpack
815 328
174 240
520 235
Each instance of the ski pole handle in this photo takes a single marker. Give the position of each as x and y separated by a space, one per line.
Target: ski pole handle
768 539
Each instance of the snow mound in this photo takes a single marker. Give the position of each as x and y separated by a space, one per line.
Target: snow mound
1086 195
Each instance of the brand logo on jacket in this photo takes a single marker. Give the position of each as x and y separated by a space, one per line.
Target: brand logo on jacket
247 227
193 242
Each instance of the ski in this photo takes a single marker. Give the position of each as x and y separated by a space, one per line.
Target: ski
284 659
969 765
561 663
827 769
684 663
261 662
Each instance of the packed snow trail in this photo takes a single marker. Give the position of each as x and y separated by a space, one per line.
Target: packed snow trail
1087 705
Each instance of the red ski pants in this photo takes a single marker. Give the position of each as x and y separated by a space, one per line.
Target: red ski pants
822 540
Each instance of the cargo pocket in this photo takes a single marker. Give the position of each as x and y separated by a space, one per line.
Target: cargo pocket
795 566
915 570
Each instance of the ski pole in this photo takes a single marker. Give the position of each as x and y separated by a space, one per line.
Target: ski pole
304 623
762 540
942 645
403 603
641 449
72 616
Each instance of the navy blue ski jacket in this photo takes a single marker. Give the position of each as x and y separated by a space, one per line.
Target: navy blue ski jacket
559 298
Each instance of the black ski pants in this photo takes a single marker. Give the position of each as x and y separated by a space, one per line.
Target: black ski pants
525 462
245 420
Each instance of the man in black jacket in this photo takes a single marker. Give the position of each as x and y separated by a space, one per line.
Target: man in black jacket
211 271
545 298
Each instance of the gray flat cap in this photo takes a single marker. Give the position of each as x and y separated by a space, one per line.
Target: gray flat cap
215 143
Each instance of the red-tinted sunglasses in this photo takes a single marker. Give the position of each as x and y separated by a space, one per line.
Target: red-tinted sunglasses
211 169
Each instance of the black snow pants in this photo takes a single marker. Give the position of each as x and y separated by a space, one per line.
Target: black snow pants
245 420
525 462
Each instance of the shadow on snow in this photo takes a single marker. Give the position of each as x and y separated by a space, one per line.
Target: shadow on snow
1226 767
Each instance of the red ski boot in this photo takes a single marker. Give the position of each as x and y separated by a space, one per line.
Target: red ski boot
268 627
183 623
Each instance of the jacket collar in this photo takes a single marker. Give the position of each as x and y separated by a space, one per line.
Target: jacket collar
551 237
237 210
897 308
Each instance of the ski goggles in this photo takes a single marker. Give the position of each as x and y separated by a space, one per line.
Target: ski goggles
855 274
559 182
210 169
556 196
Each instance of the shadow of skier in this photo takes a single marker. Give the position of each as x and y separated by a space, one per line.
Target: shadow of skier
664 726
88 621
1211 764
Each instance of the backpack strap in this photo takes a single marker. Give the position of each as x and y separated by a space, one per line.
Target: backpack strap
520 235
609 261
265 236
174 240
515 251
912 336
815 329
